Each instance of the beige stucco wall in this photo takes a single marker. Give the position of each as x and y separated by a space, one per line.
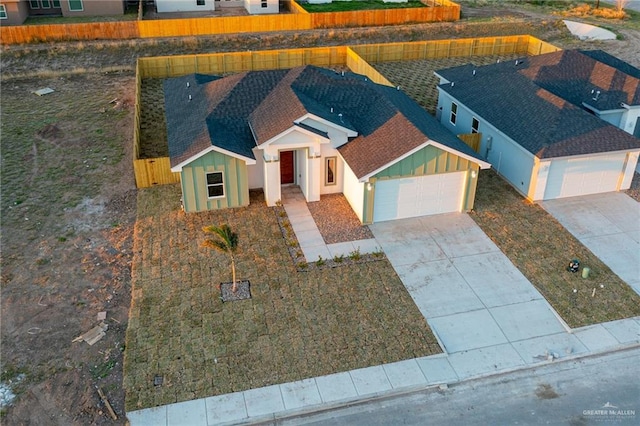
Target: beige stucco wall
17 12
94 8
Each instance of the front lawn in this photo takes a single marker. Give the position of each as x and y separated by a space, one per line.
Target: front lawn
296 325
349 6
541 249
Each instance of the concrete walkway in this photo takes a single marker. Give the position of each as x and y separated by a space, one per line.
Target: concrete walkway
607 224
487 316
311 242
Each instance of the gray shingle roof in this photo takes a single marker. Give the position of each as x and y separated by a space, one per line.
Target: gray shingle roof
537 103
244 109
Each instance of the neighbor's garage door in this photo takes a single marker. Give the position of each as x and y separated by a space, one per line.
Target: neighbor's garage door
582 176
418 196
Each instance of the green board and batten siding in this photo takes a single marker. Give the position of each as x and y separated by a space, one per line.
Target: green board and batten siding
194 186
430 160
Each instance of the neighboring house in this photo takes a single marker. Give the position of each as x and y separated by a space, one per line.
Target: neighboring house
550 124
254 7
184 5
325 131
15 12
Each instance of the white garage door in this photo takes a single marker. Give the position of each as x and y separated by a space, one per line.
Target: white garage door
582 176
418 196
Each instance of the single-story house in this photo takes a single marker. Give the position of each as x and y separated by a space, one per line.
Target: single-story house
15 12
185 5
556 125
326 131
254 7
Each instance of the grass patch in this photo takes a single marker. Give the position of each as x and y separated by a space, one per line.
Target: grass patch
349 6
130 15
541 249
296 325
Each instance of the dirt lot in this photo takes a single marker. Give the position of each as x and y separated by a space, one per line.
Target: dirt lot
69 201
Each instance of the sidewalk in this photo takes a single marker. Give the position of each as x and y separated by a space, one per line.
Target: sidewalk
488 318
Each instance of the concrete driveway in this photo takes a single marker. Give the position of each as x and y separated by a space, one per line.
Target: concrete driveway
607 224
475 300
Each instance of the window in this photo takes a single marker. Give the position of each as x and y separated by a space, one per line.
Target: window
474 125
199 2
263 4
46 4
56 3
33 4
75 5
215 185
454 112
3 12
330 171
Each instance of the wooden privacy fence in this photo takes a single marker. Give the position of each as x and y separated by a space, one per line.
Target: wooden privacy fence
121 30
472 139
298 19
157 171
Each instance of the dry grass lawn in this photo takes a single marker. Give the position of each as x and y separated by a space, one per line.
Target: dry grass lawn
541 249
297 324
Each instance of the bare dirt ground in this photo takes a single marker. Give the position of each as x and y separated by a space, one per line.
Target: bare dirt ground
68 215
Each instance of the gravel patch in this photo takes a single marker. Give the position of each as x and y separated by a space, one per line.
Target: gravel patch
337 221
634 189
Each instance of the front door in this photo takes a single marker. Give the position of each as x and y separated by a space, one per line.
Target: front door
286 167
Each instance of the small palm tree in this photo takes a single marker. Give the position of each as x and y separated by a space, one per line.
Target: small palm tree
227 242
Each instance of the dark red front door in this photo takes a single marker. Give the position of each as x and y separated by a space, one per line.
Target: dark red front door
286 167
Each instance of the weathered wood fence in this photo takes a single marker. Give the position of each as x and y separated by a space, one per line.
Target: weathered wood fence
297 19
156 171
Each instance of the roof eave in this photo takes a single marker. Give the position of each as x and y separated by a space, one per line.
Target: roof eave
178 167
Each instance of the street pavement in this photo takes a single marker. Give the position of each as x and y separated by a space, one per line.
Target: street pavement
590 391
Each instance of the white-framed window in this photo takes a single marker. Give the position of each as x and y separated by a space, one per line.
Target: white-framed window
474 125
330 171
454 113
46 4
3 12
76 5
199 2
215 185
263 4
56 3
34 4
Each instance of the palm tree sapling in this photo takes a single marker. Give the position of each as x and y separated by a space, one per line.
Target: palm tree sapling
227 242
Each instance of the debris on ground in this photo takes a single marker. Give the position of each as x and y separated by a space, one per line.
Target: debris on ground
93 335
45 91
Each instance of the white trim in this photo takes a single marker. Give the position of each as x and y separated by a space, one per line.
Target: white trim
350 132
207 185
453 116
75 10
481 163
477 129
178 167
4 11
290 130
591 154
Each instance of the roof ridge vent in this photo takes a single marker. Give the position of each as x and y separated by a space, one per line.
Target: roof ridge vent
595 98
452 83
331 110
474 72
516 62
188 84
397 87
189 97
